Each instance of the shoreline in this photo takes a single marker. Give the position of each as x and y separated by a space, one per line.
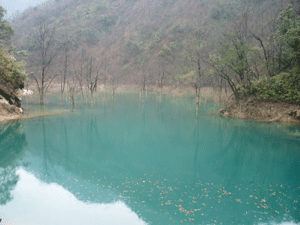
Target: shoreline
9 112
14 117
263 111
260 111
208 93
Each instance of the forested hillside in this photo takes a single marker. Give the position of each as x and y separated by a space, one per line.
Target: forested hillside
12 74
83 44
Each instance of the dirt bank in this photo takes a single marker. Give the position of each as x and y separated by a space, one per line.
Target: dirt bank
9 112
263 111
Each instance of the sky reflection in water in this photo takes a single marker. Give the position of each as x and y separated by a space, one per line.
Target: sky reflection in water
36 202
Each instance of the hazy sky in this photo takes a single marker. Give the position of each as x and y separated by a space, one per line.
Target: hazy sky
13 5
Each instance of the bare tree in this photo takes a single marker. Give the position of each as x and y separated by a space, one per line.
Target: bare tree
72 90
92 75
145 78
161 78
114 82
64 70
160 69
45 54
197 52
78 74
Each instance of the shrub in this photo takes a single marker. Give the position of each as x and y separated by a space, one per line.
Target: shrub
11 71
283 87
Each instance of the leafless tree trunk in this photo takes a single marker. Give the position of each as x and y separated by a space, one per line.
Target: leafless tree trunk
161 80
114 83
80 78
45 38
92 68
72 92
63 74
197 52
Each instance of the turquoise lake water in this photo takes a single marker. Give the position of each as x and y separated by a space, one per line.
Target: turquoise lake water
129 160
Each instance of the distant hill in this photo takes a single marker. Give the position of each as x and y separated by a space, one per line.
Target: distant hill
143 41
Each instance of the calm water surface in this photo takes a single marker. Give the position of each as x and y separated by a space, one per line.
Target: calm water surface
152 161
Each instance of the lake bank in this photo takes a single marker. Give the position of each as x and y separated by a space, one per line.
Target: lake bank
8 112
23 116
253 110
263 111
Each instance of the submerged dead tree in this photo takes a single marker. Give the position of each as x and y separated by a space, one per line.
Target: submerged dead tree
92 75
78 72
197 52
64 71
45 54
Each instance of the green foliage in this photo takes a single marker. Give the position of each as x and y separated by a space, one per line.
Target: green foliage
101 6
92 36
140 61
166 52
178 29
158 36
223 11
284 87
133 48
235 56
146 32
288 33
11 71
108 21
6 30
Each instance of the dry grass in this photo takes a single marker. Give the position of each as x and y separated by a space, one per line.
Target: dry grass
216 95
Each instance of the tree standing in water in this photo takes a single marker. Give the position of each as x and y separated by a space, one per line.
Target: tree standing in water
45 54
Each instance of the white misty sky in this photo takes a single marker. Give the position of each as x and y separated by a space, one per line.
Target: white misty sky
13 5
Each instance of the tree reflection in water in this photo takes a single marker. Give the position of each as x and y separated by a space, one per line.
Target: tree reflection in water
12 143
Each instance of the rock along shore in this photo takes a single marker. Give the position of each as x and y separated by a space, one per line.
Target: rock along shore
263 111
10 103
